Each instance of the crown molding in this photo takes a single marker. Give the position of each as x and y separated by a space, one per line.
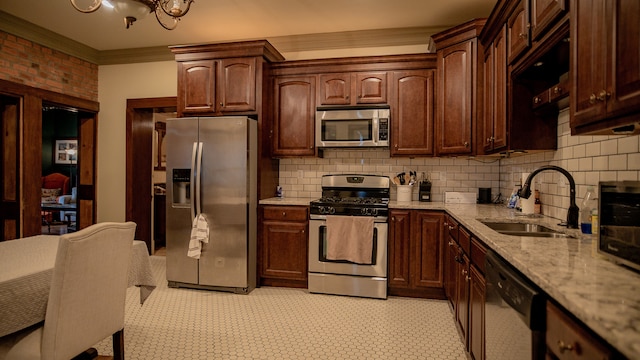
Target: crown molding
39 35
284 44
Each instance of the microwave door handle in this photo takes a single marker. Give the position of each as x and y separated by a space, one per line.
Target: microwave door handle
376 129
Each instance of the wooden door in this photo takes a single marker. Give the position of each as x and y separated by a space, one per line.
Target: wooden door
87 140
427 269
412 112
9 172
476 314
294 121
624 82
334 89
371 87
589 37
462 304
140 161
455 93
399 249
518 30
237 85
197 87
543 13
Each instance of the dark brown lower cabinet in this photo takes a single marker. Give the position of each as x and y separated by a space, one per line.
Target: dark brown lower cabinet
415 253
476 314
283 246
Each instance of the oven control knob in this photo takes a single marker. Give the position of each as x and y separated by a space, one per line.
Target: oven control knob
374 212
363 211
331 210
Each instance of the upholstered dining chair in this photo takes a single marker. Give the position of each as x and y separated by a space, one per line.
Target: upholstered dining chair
87 297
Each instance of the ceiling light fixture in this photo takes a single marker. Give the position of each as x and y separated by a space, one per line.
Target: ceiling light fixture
168 12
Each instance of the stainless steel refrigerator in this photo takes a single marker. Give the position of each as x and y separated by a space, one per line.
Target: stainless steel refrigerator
211 169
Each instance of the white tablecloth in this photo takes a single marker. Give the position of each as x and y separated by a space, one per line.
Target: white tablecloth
26 267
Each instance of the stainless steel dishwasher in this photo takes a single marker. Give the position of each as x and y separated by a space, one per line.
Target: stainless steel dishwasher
514 313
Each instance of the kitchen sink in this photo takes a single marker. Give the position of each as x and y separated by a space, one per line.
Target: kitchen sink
524 229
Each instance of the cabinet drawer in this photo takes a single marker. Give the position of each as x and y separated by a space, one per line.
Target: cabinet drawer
567 339
464 239
478 253
286 213
451 226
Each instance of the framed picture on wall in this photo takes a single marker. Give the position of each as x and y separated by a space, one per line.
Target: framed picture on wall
65 151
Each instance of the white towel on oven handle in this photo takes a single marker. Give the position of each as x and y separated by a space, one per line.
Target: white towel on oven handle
199 235
350 238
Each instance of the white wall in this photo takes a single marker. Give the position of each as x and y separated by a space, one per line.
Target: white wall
116 84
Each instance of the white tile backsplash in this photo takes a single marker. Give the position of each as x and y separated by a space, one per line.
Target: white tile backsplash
589 159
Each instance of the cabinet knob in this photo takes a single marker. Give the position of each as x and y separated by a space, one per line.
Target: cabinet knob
537 100
562 347
557 90
393 218
467 278
221 104
284 214
603 95
522 36
347 97
451 243
592 99
451 227
466 144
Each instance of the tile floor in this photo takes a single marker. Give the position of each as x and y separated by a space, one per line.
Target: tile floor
280 323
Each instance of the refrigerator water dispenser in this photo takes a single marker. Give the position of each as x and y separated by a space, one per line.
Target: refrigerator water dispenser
181 187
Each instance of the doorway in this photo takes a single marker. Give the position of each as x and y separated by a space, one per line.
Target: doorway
22 112
145 172
60 154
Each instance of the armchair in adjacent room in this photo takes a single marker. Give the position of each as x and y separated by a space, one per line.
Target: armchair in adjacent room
53 185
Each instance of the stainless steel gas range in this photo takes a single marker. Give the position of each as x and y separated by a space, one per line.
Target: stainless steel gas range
348 236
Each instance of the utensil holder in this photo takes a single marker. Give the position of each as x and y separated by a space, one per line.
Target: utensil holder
404 193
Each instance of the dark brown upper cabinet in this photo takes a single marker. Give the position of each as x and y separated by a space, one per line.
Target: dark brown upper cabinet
605 95
352 88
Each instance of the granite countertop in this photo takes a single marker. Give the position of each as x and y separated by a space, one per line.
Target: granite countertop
603 295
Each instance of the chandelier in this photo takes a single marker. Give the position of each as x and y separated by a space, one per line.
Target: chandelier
168 12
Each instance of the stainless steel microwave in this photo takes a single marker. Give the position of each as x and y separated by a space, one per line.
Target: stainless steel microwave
619 216
352 127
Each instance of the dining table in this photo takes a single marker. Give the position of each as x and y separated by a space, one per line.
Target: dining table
26 269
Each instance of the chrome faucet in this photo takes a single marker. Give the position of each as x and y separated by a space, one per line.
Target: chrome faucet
572 213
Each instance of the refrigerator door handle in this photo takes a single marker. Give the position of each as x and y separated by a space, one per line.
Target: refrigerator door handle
198 201
194 174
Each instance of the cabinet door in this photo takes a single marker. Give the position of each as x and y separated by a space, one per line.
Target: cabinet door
567 339
335 89
543 13
293 133
462 305
399 249
371 88
238 85
494 124
455 98
476 314
518 30
450 272
284 250
624 84
412 112
588 60
197 86
427 261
